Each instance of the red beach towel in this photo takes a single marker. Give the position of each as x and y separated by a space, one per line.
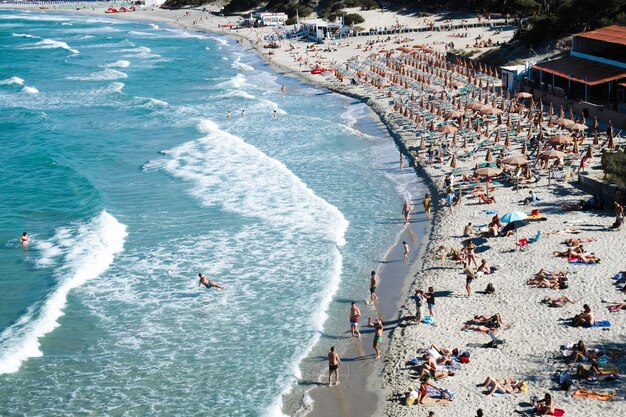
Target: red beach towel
558 412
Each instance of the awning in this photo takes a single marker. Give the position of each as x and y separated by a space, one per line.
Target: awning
582 70
611 34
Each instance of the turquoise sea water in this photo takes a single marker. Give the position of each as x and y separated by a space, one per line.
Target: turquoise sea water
118 159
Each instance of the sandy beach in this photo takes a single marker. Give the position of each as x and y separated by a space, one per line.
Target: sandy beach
533 333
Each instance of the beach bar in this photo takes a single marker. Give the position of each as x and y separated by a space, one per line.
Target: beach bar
592 75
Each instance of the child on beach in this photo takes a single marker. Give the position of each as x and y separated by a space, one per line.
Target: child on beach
406 251
419 300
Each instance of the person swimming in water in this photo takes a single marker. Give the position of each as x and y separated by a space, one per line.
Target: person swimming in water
24 239
209 283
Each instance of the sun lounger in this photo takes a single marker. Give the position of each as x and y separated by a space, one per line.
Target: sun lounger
591 395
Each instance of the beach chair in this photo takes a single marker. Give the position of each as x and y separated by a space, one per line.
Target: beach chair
535 238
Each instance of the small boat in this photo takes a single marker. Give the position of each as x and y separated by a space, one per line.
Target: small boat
271 45
111 10
132 9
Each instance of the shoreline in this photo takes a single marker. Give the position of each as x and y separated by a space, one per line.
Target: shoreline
328 402
533 359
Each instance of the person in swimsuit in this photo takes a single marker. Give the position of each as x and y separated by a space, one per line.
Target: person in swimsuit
283 90
471 256
24 239
406 251
209 283
355 313
427 204
228 115
470 275
406 211
378 335
333 365
373 285
401 160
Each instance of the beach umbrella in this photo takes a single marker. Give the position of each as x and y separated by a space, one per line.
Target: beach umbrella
454 142
561 139
422 143
589 154
453 114
596 140
516 218
565 123
448 129
571 114
489 156
575 148
453 161
595 124
497 140
524 95
465 143
488 172
513 216
507 141
525 148
578 127
561 113
515 160
553 153
551 110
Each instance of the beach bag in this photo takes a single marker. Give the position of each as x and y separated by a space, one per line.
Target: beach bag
490 289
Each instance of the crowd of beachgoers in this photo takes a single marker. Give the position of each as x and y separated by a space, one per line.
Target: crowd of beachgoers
518 302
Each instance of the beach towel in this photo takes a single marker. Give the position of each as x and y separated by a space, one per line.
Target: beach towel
414 361
435 401
558 412
490 211
428 320
602 323
576 261
500 394
591 395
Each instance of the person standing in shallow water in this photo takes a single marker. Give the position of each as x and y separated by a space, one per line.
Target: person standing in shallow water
406 251
24 239
355 313
401 160
406 211
333 365
378 334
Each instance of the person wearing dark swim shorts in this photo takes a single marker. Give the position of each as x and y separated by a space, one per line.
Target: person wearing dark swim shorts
333 365
373 285
209 283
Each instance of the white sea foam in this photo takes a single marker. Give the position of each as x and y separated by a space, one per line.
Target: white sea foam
51 44
220 41
118 64
154 26
265 104
142 52
143 34
237 64
88 251
238 93
25 35
12 80
115 87
104 75
30 90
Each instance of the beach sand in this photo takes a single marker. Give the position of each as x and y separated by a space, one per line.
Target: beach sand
532 342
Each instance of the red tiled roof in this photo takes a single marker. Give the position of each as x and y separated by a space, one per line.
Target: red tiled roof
582 70
612 34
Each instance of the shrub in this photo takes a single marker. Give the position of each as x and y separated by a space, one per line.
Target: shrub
614 165
353 18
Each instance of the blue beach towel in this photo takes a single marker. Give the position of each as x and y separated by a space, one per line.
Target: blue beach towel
428 320
602 323
579 262
500 394
490 212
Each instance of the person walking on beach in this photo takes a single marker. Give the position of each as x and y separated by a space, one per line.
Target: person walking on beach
401 160
450 199
419 301
378 334
333 365
470 275
427 204
355 313
209 283
430 300
406 211
406 251
373 285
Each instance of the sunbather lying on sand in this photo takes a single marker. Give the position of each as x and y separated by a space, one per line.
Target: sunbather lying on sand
547 274
556 283
428 369
567 230
483 329
503 386
445 356
577 241
491 322
557 301
617 307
